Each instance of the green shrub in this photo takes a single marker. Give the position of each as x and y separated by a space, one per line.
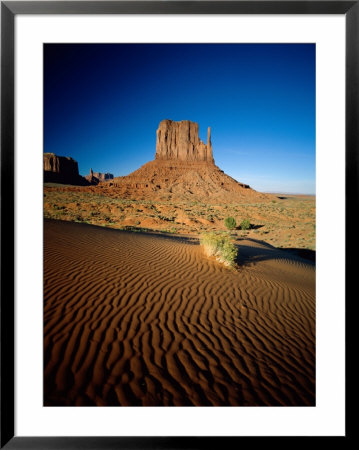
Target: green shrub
220 246
171 230
245 224
230 223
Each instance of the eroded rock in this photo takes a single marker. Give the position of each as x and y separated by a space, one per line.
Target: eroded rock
180 141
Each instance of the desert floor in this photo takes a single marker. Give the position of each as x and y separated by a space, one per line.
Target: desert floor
285 221
148 319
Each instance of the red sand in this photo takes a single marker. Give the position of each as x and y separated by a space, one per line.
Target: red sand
135 319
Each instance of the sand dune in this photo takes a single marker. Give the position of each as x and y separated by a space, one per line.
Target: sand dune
136 319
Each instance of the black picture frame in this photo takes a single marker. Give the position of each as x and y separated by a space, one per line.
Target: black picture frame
9 9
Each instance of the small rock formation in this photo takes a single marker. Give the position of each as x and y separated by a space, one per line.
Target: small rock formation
103 176
97 177
180 141
62 169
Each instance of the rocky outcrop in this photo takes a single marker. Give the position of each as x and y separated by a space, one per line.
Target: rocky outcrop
180 141
95 178
62 169
103 176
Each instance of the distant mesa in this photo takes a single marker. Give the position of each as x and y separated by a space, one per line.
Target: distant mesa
62 169
95 178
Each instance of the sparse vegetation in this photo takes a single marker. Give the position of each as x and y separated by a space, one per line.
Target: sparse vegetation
292 215
220 246
245 224
230 223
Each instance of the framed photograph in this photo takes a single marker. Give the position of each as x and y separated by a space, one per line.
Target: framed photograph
176 180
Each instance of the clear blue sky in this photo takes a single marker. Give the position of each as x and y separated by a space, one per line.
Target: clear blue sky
103 104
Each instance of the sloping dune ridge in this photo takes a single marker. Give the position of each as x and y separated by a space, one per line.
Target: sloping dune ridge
135 319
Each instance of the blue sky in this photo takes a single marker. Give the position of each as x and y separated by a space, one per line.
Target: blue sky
103 104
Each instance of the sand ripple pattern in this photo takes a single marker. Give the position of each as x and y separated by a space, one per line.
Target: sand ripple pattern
141 320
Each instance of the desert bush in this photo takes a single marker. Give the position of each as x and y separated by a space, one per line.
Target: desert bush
171 230
245 224
230 223
220 246
166 218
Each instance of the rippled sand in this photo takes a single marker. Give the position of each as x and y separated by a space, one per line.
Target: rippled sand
138 319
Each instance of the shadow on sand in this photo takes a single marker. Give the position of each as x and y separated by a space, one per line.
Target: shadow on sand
130 230
248 254
251 227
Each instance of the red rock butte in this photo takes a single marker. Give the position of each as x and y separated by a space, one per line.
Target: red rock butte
62 169
180 141
183 169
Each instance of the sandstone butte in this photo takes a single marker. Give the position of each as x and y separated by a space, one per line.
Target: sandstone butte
62 169
183 169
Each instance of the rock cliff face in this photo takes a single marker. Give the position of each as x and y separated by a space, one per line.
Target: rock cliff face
180 141
62 169
60 164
